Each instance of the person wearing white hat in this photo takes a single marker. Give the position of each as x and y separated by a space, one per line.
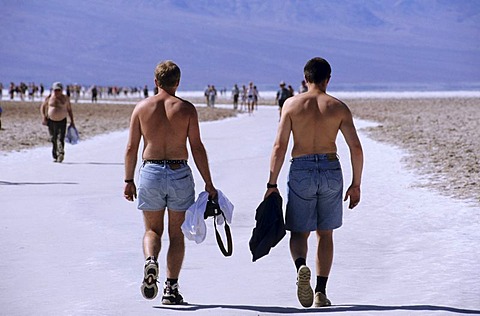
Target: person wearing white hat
54 111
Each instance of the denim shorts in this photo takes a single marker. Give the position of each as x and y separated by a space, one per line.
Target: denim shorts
161 187
315 187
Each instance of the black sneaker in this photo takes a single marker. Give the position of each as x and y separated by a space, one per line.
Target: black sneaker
149 286
171 296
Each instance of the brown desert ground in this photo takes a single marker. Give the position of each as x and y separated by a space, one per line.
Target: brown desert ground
22 128
441 136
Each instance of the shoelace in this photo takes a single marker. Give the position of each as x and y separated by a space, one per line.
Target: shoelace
172 290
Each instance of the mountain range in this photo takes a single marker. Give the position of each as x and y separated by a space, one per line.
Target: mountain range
375 44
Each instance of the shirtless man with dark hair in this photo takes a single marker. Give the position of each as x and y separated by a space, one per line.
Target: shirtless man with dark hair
315 185
54 111
165 122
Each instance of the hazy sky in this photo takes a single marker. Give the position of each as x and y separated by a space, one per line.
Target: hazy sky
418 43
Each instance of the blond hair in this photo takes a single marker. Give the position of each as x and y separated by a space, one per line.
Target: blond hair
167 74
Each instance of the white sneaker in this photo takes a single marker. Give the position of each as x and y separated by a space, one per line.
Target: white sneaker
149 286
304 290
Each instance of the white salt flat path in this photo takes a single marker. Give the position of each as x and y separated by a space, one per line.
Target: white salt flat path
71 245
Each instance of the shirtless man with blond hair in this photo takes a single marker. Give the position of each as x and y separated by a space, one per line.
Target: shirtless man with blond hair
315 184
165 122
54 111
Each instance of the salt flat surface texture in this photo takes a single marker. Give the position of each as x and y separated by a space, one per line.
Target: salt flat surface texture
71 244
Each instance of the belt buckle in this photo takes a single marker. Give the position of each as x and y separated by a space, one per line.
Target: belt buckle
332 157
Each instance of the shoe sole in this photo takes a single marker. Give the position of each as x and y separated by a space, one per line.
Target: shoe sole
168 302
304 290
149 286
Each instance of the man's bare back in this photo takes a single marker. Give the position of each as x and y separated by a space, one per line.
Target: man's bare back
164 123
315 119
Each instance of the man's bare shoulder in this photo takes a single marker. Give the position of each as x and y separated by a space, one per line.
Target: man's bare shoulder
187 105
292 102
339 105
333 101
312 99
165 100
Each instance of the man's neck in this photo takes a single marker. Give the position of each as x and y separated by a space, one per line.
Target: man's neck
322 87
170 91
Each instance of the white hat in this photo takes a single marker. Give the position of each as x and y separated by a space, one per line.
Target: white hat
57 86
282 83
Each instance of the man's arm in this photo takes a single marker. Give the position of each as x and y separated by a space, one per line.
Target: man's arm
135 134
356 156
43 110
199 153
279 149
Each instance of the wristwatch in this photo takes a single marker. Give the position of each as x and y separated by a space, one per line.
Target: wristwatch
271 186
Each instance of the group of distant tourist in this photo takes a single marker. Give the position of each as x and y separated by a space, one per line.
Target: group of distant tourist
247 97
32 91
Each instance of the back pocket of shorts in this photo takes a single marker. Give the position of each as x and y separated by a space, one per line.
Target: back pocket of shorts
334 179
300 182
184 185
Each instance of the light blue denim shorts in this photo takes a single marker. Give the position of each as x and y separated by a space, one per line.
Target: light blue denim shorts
315 187
161 187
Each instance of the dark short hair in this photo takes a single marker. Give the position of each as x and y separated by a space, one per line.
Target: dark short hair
167 74
317 70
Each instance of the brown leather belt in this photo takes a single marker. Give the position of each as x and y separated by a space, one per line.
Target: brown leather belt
332 156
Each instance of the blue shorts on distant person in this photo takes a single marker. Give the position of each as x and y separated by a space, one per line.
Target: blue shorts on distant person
315 187
161 187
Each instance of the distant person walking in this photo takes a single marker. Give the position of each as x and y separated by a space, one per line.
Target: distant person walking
165 123
303 87
11 90
251 97
243 98
315 184
282 95
291 91
212 96
145 91
54 111
94 94
206 94
1 110
235 95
